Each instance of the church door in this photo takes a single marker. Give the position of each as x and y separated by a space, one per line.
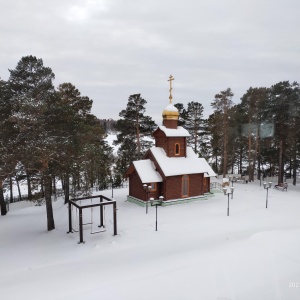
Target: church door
185 186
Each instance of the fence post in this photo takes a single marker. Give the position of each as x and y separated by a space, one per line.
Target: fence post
70 216
115 217
80 227
101 212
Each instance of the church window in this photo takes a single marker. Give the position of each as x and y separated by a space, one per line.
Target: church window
177 149
185 186
153 186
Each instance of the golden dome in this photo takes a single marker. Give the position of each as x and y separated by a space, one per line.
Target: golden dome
170 112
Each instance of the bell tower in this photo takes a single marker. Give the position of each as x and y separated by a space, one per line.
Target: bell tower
170 136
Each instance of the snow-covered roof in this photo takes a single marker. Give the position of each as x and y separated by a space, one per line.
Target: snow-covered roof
146 171
172 166
210 171
179 131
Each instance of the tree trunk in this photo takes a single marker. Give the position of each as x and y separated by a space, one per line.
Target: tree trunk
294 167
258 160
53 191
2 202
49 209
196 141
255 153
78 181
258 168
225 132
62 182
241 161
233 158
18 185
28 185
138 140
42 187
280 171
250 154
225 156
11 194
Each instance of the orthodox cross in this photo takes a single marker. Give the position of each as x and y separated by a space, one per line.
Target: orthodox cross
171 78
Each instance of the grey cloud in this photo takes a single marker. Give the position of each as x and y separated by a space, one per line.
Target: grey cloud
113 48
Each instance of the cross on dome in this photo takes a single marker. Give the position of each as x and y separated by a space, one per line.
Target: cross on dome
171 78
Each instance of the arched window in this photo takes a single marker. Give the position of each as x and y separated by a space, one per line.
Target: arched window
177 149
185 186
153 186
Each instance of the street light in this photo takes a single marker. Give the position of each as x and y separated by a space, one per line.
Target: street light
226 192
156 203
147 190
267 188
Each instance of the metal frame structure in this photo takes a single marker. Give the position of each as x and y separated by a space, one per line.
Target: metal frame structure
101 204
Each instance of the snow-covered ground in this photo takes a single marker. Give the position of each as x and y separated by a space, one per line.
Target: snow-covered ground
113 137
110 140
198 252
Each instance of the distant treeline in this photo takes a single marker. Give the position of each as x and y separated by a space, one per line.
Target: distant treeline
109 125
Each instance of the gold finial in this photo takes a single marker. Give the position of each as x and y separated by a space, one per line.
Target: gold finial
171 78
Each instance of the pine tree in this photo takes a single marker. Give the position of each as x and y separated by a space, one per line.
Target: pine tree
293 140
133 129
53 133
221 105
70 111
283 108
194 123
31 86
252 105
95 156
7 137
182 114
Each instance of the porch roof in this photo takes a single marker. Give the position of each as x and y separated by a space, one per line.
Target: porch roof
146 171
172 166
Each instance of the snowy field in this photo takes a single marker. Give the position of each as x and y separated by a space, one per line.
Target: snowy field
198 251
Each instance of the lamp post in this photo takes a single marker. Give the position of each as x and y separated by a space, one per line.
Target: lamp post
156 203
226 192
147 189
267 186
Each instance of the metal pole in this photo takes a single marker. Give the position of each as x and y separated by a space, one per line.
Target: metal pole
228 206
70 216
115 217
147 201
267 198
80 227
101 213
156 217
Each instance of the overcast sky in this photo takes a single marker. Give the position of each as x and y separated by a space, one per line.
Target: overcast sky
110 49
